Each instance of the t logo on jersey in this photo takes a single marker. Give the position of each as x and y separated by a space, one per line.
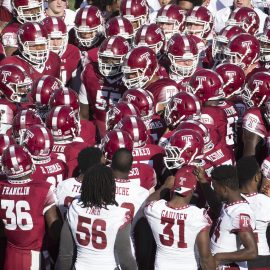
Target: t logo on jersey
244 221
5 75
187 139
231 75
200 79
257 83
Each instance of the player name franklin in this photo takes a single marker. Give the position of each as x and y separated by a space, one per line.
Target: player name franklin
174 215
16 190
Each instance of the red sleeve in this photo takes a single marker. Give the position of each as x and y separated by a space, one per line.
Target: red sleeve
149 179
49 201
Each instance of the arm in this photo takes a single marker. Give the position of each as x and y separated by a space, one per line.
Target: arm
122 248
66 249
250 141
249 252
203 243
84 111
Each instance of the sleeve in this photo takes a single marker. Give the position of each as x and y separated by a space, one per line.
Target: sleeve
49 201
221 18
253 124
82 92
206 221
148 208
150 178
241 222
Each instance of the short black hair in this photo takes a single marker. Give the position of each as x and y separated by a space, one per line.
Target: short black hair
247 168
88 157
226 175
122 160
98 187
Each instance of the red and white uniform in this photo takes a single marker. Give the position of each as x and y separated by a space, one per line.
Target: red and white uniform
70 61
99 93
66 192
53 171
235 217
260 204
175 231
156 127
96 243
232 118
51 66
23 206
9 35
88 132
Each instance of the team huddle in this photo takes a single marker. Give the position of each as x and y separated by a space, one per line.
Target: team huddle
134 134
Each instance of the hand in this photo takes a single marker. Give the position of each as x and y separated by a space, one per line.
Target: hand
200 174
266 190
169 182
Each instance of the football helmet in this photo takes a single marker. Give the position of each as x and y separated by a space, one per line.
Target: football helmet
265 46
171 20
63 123
139 67
42 90
119 26
136 128
118 111
142 99
150 35
246 18
28 10
243 50
22 121
38 140
222 39
266 23
88 26
257 89
183 54
65 96
5 141
111 54
15 83
56 29
184 146
136 11
199 16
17 162
233 78
31 35
7 113
206 84
114 140
182 106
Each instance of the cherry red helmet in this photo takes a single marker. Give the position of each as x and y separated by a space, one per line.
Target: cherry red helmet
233 78
139 67
181 107
114 140
246 18
56 29
88 26
118 111
150 35
136 128
65 96
111 54
222 39
142 99
119 26
5 141
185 146
29 35
183 48
15 83
28 10
243 50
17 162
199 15
172 15
38 140
63 123
22 121
206 84
136 11
264 49
257 89
7 113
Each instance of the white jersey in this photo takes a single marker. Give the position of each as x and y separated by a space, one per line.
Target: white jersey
260 204
234 218
65 193
94 231
175 232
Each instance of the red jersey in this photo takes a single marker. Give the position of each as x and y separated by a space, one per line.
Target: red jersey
69 63
9 35
88 132
51 66
92 55
99 93
5 14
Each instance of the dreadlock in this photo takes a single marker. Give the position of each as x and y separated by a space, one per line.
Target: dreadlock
98 187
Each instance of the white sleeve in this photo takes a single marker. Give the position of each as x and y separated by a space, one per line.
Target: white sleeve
154 5
83 95
221 18
262 17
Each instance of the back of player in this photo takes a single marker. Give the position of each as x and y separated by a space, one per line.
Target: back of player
175 232
94 231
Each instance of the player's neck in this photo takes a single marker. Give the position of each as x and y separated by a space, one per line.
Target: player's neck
234 196
155 78
248 189
177 202
120 175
